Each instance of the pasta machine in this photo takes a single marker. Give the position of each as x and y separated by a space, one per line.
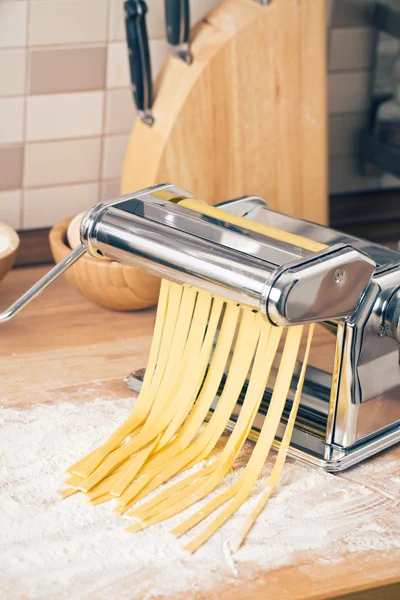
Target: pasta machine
351 286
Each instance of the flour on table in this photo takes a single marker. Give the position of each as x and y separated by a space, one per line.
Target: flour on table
66 549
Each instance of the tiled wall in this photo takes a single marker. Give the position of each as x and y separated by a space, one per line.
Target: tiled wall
66 108
351 40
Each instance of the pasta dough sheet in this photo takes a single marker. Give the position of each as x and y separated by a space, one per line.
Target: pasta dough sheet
198 340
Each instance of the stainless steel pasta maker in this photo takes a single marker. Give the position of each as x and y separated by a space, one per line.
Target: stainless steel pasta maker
351 286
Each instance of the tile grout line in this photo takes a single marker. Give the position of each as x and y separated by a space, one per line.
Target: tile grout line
73 45
105 103
25 123
61 140
70 93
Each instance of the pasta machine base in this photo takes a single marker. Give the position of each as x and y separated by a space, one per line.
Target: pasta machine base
308 440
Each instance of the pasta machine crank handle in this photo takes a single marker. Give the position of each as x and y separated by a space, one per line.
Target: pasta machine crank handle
42 284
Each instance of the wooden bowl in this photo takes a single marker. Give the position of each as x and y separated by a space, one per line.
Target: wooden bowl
104 282
8 253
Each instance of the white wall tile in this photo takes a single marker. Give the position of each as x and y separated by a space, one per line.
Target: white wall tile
198 10
56 116
120 111
351 48
116 25
158 52
117 65
349 92
12 72
10 208
45 206
11 120
110 189
344 132
156 19
67 21
13 24
51 163
114 154
345 176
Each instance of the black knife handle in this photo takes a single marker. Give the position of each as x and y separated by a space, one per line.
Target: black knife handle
139 57
177 14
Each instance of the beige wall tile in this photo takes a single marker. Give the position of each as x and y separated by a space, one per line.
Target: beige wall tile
45 206
110 190
11 120
117 65
11 164
67 21
12 70
351 48
51 163
120 111
349 92
67 70
10 208
57 116
344 132
13 24
114 154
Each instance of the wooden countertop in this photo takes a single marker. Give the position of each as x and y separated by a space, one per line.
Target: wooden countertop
84 346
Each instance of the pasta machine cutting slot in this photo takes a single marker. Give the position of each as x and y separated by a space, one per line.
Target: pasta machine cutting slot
294 272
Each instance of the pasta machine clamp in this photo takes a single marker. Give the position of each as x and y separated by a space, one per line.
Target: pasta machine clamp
349 285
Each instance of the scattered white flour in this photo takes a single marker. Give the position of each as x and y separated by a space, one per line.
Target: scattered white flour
5 243
65 549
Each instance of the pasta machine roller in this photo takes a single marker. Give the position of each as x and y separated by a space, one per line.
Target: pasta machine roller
349 285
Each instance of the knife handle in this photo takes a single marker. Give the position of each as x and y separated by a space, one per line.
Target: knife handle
139 58
177 14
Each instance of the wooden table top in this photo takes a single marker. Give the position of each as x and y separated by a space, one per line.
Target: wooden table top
62 333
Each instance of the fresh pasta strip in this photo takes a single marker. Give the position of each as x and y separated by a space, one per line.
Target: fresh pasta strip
158 509
164 329
66 492
119 455
133 469
203 403
281 457
268 230
208 390
275 410
264 442
208 438
194 376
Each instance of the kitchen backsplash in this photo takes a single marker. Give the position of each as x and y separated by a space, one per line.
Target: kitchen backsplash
66 108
